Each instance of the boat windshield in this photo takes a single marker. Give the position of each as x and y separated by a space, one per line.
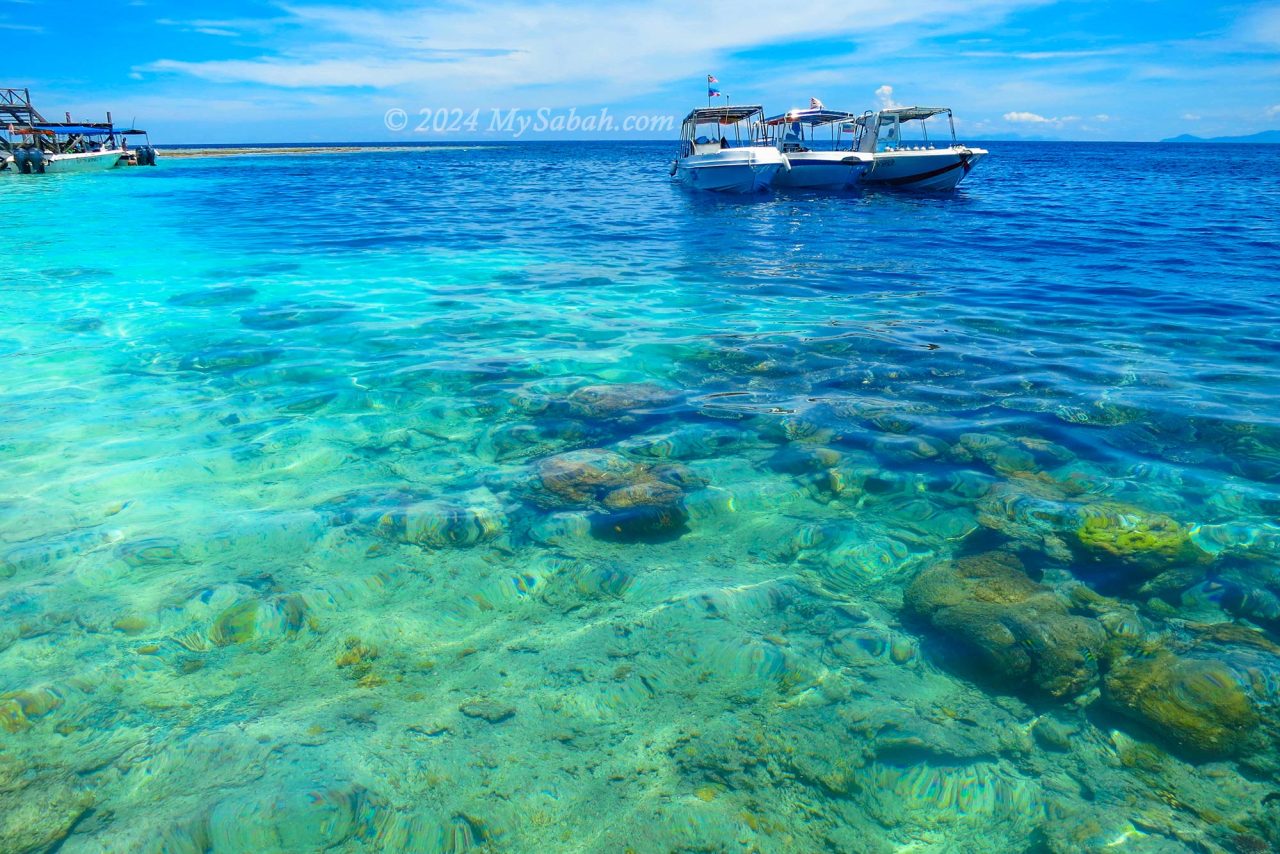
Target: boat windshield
711 129
906 129
809 130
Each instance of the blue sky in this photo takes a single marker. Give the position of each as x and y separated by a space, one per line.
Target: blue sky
253 71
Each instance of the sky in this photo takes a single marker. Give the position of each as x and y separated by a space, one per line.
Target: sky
297 70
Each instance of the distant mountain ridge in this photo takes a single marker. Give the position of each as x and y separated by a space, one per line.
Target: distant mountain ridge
1268 136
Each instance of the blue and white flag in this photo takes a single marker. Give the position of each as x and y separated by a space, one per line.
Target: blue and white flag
713 91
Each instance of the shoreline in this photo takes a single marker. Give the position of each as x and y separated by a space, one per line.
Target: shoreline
256 150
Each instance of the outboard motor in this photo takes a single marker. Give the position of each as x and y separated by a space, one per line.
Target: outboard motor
22 160
146 155
36 159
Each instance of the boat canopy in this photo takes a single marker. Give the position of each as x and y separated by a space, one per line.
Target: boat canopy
79 130
722 115
811 117
908 114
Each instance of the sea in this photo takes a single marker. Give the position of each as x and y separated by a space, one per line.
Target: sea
513 498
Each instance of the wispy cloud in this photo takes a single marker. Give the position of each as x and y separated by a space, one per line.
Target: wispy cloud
509 46
1045 55
1261 27
227 27
1025 118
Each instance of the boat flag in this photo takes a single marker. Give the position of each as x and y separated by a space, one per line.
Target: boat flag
815 104
713 90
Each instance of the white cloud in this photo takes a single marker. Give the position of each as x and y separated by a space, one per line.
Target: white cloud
1047 55
1190 117
1262 27
1272 112
1027 118
24 28
884 95
1102 117
499 47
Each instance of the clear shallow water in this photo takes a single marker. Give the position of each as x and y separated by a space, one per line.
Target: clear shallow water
887 522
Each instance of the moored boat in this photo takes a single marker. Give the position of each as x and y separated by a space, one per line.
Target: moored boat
720 164
912 165
29 145
826 165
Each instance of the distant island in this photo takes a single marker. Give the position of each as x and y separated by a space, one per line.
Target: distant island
1269 136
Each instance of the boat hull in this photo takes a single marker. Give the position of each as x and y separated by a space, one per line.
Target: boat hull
743 170
64 164
824 170
929 170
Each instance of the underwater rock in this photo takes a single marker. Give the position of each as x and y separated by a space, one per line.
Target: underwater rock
523 440
560 529
1199 704
20 709
82 324
909 449
642 524
1134 537
43 556
1258 604
440 524
1052 734
301 819
631 501
603 580
34 822
228 358
237 624
487 710
1126 549
995 620
289 314
872 644
1031 513
250 619
579 477
678 474
862 555
800 459
689 442
603 401
156 551
793 428
997 452
653 493
208 297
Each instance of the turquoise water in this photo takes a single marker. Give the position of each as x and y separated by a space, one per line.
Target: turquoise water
513 499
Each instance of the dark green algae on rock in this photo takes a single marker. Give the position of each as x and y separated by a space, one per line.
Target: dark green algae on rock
994 620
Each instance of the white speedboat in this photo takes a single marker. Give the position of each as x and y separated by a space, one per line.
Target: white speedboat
826 165
915 165
32 160
715 162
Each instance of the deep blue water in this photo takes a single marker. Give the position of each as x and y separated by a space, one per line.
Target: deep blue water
512 498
